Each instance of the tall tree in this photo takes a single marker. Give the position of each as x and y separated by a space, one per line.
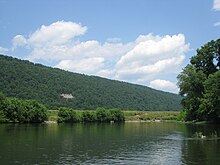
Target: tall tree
197 81
210 103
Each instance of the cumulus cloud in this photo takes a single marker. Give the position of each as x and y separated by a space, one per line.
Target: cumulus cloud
152 55
58 42
139 61
49 42
163 85
216 5
89 65
56 34
94 55
3 50
18 41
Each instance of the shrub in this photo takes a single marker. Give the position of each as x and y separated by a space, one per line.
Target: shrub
3 119
102 115
67 115
116 115
23 111
88 116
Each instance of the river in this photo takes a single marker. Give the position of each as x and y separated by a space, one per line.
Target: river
129 143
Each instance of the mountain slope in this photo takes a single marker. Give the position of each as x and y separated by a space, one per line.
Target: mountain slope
26 80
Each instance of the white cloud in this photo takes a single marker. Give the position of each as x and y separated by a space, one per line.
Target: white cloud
19 40
148 37
163 85
106 73
216 5
89 66
57 33
72 51
3 50
217 24
50 42
152 55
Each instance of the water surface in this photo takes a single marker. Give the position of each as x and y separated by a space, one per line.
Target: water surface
129 143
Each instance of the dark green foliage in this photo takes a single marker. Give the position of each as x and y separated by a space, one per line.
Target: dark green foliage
3 104
23 111
3 118
36 111
103 115
199 83
25 80
100 115
191 86
210 107
67 115
88 116
3 101
116 115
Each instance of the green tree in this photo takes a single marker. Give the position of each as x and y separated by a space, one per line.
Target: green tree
196 83
12 109
23 111
206 56
3 118
3 101
102 115
210 103
67 115
191 87
116 115
88 116
63 115
37 112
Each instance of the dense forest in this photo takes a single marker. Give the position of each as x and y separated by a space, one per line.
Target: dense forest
58 88
199 83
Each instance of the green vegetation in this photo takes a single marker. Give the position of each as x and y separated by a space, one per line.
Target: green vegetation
23 111
199 83
57 88
52 115
67 115
129 115
151 116
100 115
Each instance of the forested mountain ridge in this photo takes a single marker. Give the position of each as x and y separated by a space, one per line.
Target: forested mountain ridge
26 80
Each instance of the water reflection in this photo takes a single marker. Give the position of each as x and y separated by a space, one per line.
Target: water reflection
130 143
201 151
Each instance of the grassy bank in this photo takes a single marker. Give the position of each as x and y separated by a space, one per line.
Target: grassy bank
132 115
151 115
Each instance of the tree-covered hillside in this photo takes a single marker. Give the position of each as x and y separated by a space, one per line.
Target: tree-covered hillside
58 88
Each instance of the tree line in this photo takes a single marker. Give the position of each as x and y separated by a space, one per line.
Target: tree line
29 111
22 111
199 84
100 115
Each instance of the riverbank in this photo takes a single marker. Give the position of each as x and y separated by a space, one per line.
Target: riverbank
133 116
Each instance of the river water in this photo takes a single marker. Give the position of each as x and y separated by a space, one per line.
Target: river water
129 143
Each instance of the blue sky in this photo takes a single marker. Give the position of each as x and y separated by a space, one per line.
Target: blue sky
145 42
